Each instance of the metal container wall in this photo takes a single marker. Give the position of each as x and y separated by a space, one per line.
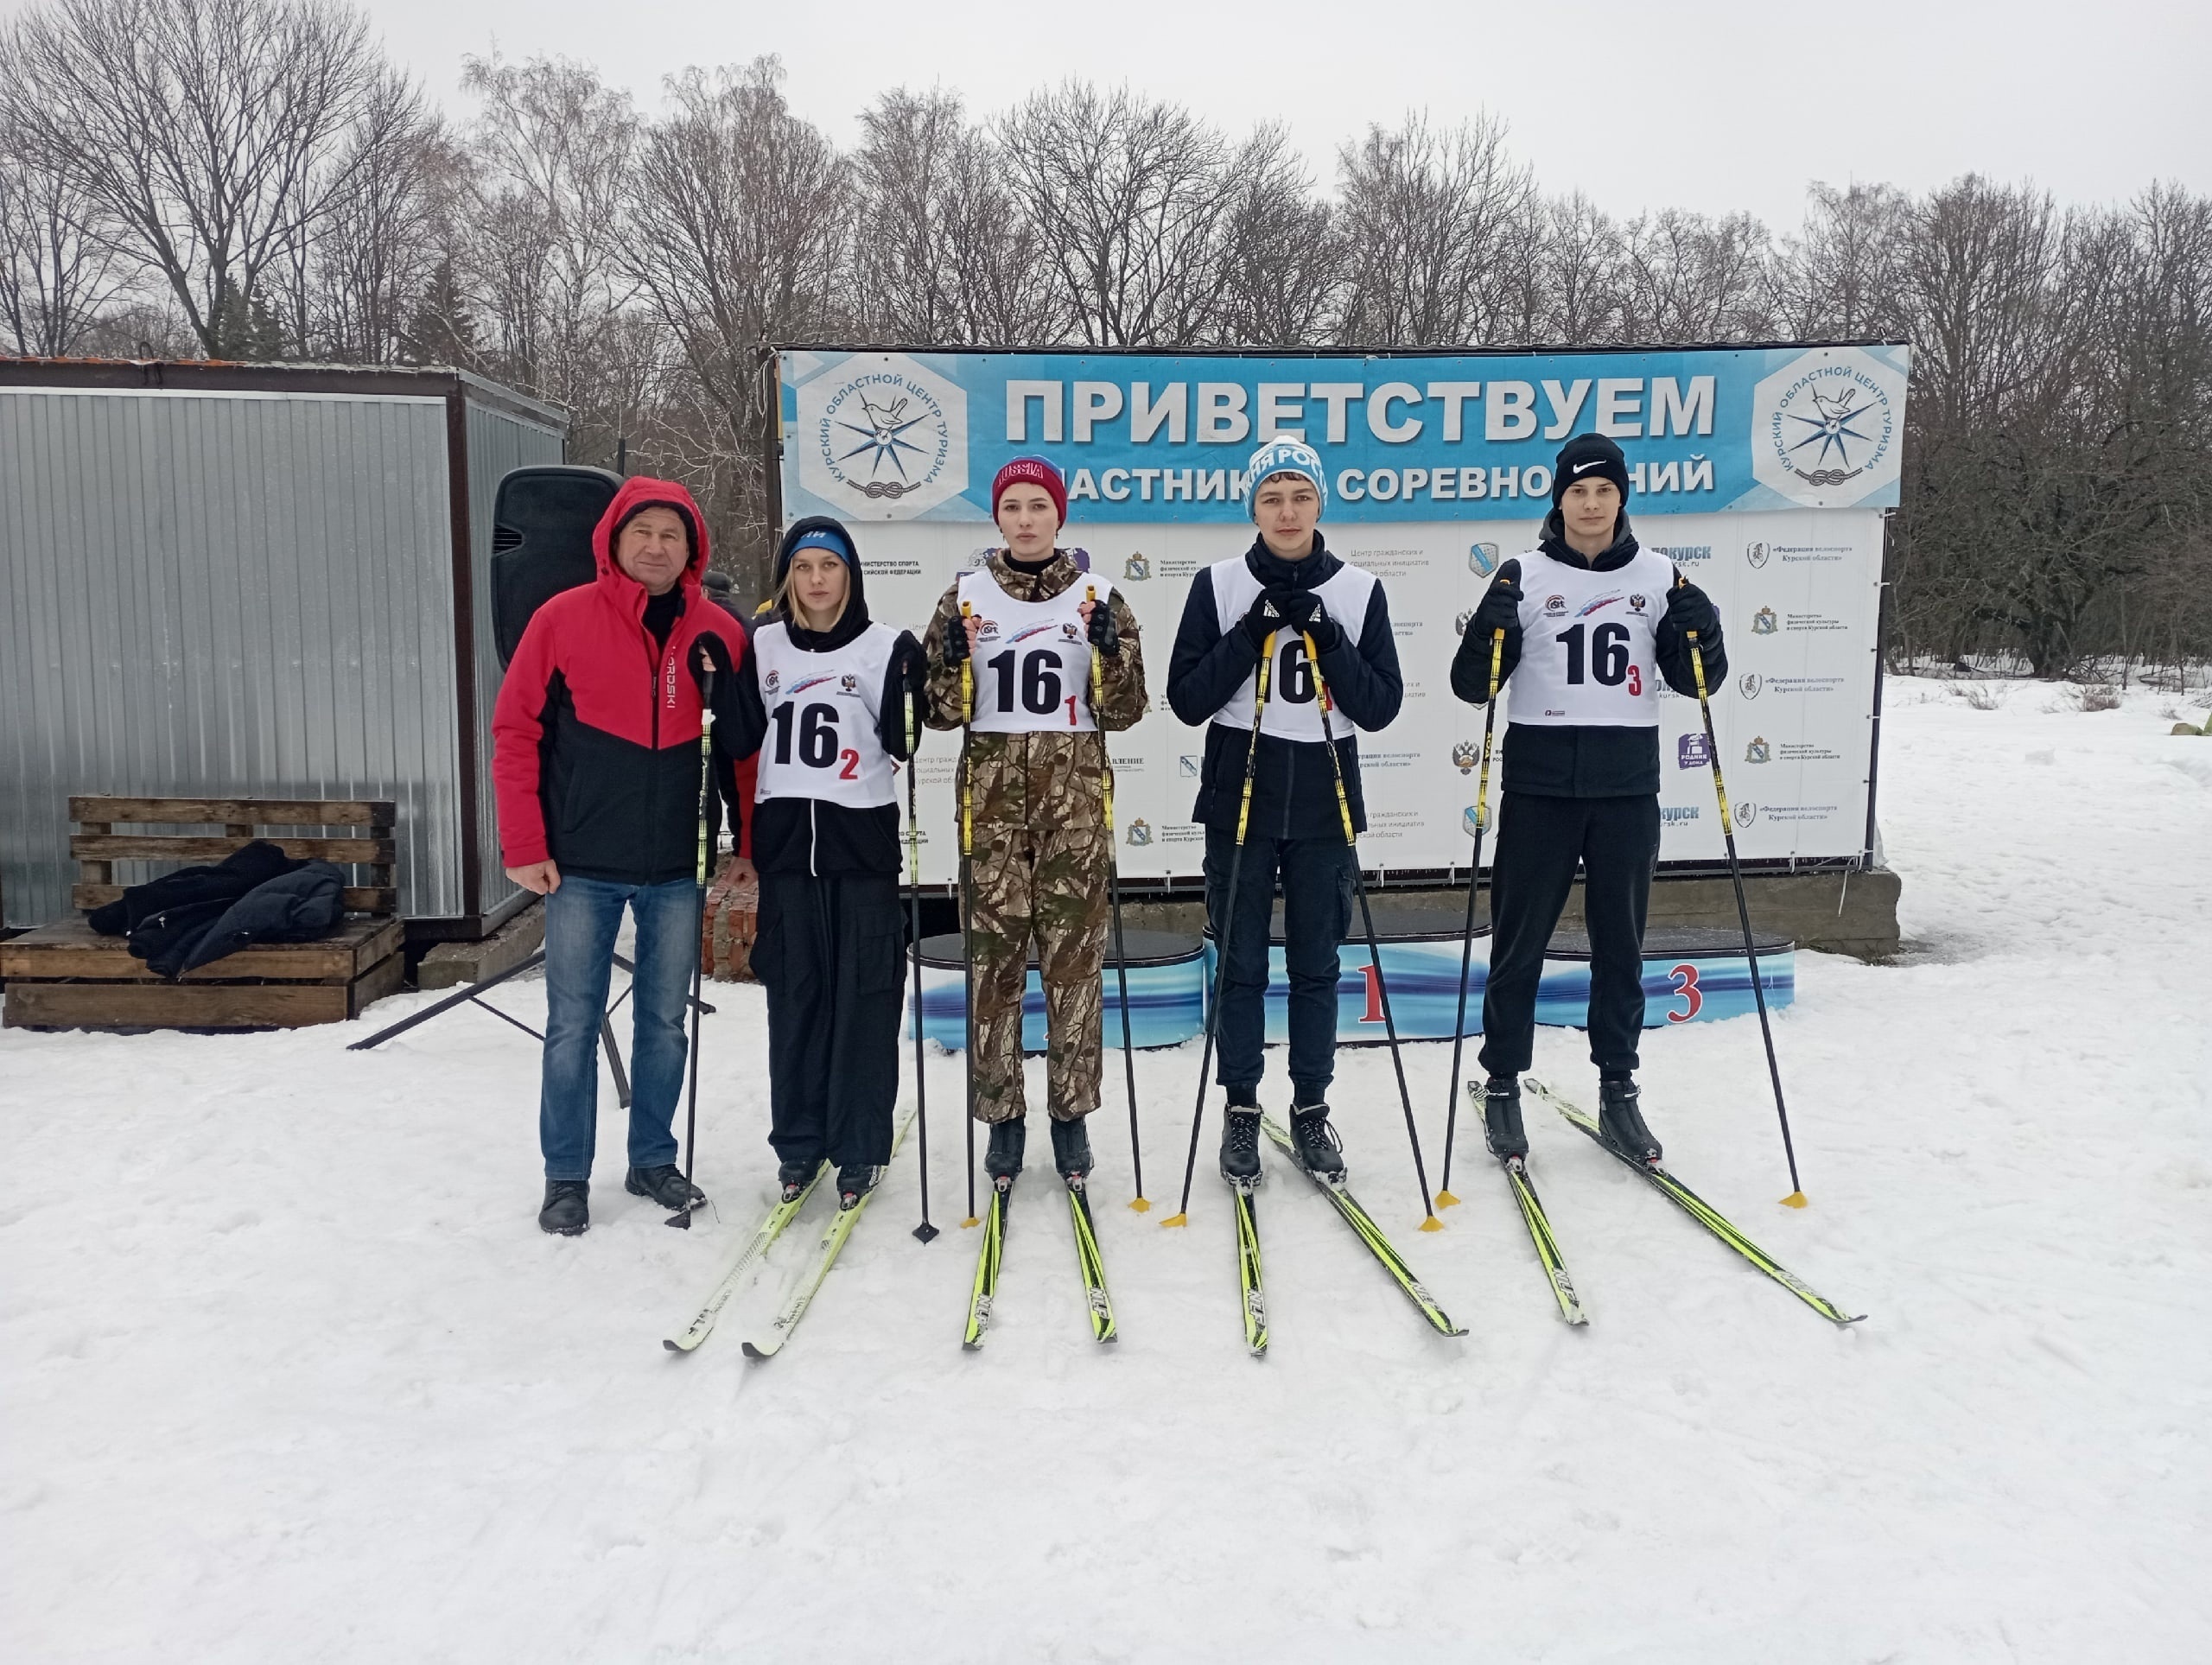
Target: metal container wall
250 593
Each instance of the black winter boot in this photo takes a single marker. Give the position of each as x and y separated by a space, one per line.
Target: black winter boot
1002 1161
1240 1146
1501 1117
567 1210
793 1176
1315 1141
1071 1151
666 1185
854 1181
1620 1118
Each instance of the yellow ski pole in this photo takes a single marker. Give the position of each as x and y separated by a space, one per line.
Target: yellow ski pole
1429 1222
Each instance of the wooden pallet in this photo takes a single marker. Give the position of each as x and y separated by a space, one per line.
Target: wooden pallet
100 843
67 975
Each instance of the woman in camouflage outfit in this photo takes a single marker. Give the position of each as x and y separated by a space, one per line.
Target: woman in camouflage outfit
1033 774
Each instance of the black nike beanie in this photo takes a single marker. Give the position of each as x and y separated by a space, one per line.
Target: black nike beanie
1584 456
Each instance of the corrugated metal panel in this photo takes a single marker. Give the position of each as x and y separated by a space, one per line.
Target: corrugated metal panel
497 442
241 592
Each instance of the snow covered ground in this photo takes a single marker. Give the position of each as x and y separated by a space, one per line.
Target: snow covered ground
288 1371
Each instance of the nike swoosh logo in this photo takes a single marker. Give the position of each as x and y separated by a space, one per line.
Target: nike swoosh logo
1582 468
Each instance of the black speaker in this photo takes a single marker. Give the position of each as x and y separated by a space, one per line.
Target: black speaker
541 541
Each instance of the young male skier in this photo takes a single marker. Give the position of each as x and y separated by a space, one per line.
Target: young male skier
822 698
1033 775
1594 623
1287 588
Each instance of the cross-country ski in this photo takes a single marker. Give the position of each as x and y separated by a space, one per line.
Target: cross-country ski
780 1214
806 1282
1695 1206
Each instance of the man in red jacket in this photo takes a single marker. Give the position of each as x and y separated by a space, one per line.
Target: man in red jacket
595 758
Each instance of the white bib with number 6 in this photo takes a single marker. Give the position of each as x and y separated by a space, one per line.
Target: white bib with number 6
1586 644
1032 658
822 741
1293 710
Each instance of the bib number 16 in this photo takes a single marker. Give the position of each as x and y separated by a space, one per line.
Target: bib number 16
1603 656
1038 672
816 734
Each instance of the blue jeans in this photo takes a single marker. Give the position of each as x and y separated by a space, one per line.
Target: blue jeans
581 919
1317 904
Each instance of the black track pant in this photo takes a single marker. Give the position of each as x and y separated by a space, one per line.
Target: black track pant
831 953
1540 841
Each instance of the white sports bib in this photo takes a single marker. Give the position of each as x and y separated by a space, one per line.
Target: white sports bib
1292 711
1032 659
1586 644
823 711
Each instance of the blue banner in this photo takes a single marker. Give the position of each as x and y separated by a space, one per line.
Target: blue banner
1144 439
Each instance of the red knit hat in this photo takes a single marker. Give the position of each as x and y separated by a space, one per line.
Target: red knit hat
1031 471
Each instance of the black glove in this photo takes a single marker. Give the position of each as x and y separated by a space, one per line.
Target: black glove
914 673
1305 613
710 656
1689 608
1104 634
1500 610
1264 618
955 640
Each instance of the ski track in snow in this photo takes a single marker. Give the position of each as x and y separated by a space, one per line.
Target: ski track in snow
288 1371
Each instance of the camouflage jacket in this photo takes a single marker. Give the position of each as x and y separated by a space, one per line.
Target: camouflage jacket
1041 780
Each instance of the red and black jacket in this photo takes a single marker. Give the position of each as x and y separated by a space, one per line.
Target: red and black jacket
595 735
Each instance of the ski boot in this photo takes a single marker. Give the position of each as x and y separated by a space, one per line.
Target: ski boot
1071 1151
666 1185
793 1176
1314 1141
1240 1145
1621 1120
854 1181
1002 1159
1502 1118
567 1210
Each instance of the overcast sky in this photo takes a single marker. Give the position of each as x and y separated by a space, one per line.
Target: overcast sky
1712 105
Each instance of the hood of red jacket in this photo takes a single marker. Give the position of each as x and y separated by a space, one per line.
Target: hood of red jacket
643 492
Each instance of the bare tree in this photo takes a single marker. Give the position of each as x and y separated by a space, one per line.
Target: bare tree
736 235
1838 276
1689 277
548 154
57 271
1130 196
213 134
1283 254
1583 258
1425 217
943 251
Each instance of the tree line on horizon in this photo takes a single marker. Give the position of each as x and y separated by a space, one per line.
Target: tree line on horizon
253 179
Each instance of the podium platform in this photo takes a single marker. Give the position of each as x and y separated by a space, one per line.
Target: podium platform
1691 975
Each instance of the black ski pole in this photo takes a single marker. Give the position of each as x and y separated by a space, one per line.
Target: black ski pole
1182 1215
968 895
926 1231
1429 1222
1113 895
1510 574
1796 1198
681 1218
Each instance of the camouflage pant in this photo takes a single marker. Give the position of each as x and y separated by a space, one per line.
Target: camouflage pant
1051 886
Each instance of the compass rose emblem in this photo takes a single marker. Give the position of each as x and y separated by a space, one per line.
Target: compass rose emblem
1832 430
883 440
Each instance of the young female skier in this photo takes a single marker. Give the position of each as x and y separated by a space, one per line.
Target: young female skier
823 698
1033 774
